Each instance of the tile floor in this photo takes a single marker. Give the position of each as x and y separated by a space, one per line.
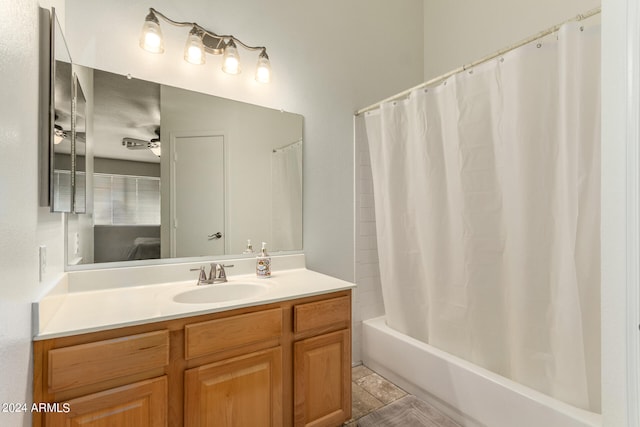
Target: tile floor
371 391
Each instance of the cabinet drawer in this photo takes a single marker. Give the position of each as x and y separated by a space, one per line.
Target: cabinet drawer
322 313
222 334
84 364
141 404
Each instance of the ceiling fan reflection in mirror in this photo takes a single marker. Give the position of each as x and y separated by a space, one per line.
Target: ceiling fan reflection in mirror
139 144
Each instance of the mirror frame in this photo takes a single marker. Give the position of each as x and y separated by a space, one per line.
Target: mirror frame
78 112
47 40
45 128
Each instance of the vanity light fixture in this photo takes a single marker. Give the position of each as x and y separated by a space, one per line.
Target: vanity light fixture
201 41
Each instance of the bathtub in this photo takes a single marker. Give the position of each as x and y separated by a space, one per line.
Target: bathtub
469 394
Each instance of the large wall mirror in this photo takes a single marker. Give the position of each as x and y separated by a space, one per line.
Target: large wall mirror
181 174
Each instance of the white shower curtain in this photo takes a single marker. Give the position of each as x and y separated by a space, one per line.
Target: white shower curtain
286 203
487 200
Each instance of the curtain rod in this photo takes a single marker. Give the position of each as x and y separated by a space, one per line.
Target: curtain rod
284 147
445 76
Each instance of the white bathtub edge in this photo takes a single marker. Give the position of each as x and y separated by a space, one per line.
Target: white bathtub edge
481 397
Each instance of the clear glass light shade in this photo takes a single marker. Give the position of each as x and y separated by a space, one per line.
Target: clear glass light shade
194 49
57 139
263 70
231 59
151 36
58 134
155 148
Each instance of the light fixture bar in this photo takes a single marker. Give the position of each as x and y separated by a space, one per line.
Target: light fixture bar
213 45
201 40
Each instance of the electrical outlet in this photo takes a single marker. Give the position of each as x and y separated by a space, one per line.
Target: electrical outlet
43 261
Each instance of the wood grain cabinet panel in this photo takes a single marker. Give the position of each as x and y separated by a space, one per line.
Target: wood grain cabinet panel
319 314
222 334
244 391
283 364
142 404
90 363
322 380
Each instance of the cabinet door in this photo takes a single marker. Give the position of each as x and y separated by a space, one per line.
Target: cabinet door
142 404
244 391
322 380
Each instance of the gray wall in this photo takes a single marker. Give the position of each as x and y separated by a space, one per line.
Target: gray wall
458 32
23 225
126 167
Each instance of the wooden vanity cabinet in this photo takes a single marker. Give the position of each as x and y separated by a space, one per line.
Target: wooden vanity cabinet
281 364
322 362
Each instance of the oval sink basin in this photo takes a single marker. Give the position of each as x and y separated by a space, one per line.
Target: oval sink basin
220 293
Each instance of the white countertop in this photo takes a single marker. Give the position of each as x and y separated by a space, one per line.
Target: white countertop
69 313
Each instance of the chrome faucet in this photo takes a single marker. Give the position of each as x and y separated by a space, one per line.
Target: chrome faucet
217 274
202 277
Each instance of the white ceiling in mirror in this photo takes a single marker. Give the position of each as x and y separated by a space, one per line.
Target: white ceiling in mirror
124 107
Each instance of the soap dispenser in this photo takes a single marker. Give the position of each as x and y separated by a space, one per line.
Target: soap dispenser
263 263
249 249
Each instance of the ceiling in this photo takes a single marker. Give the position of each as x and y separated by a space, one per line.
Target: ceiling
124 107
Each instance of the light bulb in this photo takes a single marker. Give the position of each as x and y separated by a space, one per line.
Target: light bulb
151 35
263 70
231 60
194 49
